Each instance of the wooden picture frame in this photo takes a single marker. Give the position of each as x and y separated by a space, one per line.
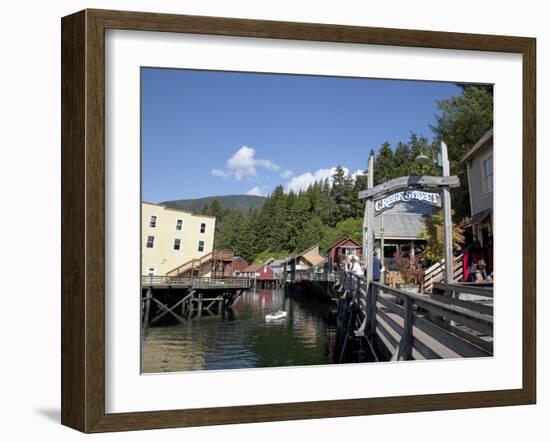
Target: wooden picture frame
83 220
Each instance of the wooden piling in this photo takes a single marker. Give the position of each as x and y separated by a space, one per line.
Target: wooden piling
199 312
147 313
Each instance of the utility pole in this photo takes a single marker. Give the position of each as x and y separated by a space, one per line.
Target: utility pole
447 218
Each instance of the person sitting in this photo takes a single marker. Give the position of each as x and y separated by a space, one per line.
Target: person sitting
482 271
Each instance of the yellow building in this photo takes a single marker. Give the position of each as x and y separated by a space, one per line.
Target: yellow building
172 237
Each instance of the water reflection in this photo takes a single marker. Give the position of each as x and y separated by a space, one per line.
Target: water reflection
243 339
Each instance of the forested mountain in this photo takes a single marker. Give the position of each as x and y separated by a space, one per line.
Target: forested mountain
242 203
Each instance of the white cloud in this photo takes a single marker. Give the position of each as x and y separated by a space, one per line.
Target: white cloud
243 164
258 191
357 173
219 172
286 174
302 182
268 164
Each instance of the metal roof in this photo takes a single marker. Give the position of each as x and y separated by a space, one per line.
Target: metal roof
481 143
404 220
478 218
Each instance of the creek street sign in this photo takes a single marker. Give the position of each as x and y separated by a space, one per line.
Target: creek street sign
432 198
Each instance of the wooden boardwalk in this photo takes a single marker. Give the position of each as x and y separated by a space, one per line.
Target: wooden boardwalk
185 298
394 324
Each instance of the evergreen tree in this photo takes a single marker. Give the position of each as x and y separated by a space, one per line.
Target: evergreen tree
342 188
298 216
215 209
357 205
401 158
384 166
246 244
461 122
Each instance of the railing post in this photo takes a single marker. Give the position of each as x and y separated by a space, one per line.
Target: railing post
407 338
358 292
374 295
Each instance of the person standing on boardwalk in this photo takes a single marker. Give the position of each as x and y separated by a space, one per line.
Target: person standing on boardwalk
348 264
355 266
376 267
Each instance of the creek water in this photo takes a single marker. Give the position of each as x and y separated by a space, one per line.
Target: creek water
242 338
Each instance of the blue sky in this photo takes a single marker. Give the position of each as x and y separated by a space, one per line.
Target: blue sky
220 133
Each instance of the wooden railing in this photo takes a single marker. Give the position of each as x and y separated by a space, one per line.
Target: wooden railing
399 325
436 273
195 282
195 263
316 276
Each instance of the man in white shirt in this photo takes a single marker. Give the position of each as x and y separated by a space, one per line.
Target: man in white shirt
355 266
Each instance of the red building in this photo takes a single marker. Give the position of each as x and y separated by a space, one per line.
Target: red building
259 272
238 265
344 246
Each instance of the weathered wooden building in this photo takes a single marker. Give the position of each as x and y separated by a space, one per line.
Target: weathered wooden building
479 229
400 229
258 272
304 262
238 265
345 246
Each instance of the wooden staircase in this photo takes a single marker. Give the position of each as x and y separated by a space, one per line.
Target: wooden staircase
212 262
194 267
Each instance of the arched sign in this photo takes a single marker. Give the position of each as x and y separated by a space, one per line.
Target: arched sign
404 189
404 196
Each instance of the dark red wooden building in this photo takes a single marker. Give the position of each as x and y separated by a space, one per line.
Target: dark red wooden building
238 265
259 272
344 246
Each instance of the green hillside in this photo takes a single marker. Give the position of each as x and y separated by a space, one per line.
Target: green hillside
242 203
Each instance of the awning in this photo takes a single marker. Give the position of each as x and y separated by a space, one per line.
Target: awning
479 217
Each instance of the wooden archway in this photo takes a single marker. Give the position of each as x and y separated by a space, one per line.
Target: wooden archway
394 188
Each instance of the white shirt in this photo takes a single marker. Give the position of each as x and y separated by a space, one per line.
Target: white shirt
356 269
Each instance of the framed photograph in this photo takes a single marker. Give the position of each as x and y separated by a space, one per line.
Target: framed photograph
257 217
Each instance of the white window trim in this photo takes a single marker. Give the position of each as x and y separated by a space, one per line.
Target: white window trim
174 245
203 246
156 221
181 227
482 160
149 271
200 228
147 242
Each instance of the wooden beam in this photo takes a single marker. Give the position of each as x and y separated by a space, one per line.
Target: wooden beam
165 309
447 217
407 181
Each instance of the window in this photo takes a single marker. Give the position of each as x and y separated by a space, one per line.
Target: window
201 246
203 227
151 271
150 242
153 221
487 173
177 243
179 224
